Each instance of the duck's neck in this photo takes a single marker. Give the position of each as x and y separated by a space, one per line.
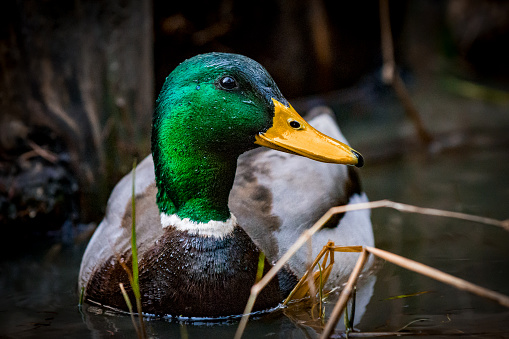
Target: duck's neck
193 183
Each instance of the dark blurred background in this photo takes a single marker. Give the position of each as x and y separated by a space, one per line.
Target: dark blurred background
79 78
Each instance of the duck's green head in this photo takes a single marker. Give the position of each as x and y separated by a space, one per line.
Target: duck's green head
212 108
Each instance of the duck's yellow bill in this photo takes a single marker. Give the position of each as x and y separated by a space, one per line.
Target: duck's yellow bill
292 134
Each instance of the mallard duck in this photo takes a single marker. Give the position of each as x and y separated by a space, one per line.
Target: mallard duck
206 208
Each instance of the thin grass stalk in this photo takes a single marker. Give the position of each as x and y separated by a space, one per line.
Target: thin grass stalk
252 296
130 307
134 249
354 302
346 321
261 266
312 295
345 295
351 319
127 270
321 309
329 256
82 297
80 302
440 276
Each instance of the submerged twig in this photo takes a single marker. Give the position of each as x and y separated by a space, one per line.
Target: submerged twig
411 323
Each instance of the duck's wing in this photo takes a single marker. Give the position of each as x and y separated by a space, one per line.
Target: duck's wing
112 238
276 196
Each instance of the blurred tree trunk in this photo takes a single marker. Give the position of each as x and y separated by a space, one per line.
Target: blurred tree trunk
82 70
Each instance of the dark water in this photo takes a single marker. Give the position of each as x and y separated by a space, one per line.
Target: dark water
472 181
38 285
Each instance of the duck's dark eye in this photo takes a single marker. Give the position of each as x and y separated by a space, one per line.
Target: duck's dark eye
228 82
294 124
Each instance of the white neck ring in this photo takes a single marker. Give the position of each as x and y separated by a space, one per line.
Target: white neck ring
213 228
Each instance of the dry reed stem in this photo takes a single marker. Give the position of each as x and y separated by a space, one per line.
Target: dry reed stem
328 250
412 266
310 282
441 213
345 295
256 288
440 276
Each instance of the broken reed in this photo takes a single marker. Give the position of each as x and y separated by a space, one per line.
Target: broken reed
388 256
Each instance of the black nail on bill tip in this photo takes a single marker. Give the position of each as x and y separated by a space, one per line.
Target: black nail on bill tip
360 159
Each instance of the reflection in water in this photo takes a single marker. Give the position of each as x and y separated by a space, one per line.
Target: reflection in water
296 321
